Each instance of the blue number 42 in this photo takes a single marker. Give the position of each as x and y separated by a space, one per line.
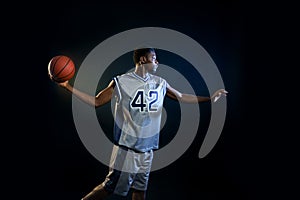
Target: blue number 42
139 101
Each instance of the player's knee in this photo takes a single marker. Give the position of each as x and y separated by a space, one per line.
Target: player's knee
140 194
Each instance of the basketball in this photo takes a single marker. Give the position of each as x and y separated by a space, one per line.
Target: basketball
61 68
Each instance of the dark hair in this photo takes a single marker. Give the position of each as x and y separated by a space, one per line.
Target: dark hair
137 53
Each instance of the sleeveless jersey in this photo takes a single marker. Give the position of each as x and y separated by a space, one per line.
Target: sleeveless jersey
137 110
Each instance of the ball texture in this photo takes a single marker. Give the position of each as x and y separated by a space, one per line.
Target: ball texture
61 68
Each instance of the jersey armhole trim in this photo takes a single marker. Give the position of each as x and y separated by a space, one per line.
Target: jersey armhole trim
118 88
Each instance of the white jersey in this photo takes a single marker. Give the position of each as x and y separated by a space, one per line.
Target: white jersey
138 108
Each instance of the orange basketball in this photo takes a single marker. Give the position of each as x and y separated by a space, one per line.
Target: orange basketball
61 68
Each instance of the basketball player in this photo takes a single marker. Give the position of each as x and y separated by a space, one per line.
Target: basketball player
139 99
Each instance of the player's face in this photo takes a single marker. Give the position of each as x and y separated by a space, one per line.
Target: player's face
151 63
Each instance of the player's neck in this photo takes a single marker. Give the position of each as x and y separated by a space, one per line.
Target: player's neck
141 71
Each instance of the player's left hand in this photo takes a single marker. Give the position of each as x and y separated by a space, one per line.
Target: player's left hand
218 94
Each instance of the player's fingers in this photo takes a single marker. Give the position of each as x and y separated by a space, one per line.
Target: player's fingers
216 98
50 76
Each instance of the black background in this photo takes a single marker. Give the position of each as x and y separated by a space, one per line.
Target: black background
46 158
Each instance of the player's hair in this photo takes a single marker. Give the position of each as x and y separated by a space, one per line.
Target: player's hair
137 53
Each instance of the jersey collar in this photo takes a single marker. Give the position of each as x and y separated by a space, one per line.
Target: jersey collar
141 78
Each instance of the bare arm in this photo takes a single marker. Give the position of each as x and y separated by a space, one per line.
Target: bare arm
189 98
100 99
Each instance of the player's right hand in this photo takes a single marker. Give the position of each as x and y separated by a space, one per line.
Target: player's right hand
50 76
63 84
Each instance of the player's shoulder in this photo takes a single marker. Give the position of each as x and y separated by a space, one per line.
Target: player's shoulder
157 78
121 76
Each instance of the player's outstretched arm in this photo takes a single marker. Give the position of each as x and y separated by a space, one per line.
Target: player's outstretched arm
189 98
100 99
